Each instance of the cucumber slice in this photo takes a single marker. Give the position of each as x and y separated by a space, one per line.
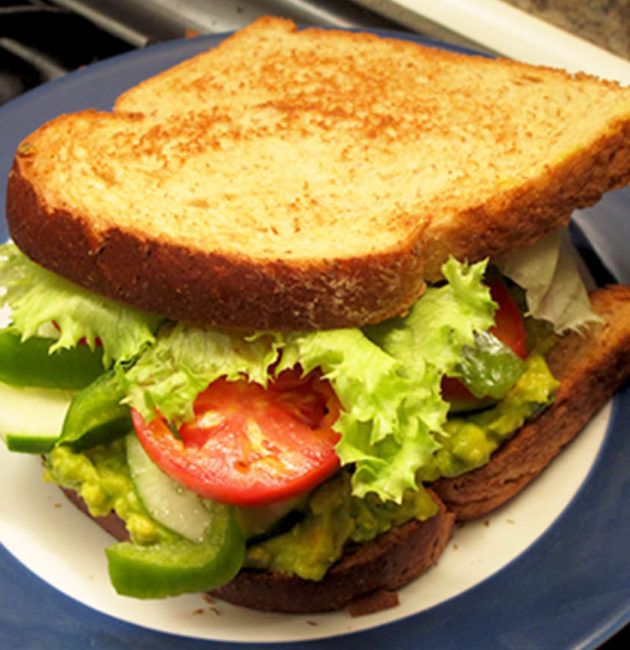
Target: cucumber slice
211 549
170 504
182 511
31 419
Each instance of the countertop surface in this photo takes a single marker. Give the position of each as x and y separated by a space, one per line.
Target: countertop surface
605 23
591 36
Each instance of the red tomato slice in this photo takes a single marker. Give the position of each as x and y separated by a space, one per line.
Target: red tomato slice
250 445
508 328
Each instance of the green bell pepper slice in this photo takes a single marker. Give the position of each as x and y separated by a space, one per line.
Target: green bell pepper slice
490 368
178 567
29 363
96 414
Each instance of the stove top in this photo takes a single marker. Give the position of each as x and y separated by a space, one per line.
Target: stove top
44 39
40 41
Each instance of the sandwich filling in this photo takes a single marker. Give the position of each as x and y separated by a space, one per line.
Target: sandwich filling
276 450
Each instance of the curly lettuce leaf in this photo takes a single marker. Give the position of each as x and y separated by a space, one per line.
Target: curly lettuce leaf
427 344
381 422
185 359
387 419
388 383
441 323
37 298
549 273
390 393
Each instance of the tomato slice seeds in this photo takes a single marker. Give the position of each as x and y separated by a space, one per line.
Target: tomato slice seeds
249 445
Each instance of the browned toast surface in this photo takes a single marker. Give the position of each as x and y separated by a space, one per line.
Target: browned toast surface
307 179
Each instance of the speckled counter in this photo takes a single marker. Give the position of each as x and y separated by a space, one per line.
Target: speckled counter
603 22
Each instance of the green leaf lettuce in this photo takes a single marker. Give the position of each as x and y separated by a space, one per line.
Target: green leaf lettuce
387 377
388 382
550 273
38 298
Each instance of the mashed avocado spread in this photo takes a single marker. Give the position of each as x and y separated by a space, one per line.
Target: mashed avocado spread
100 475
470 440
332 517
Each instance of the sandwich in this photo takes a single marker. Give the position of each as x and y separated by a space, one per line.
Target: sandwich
304 301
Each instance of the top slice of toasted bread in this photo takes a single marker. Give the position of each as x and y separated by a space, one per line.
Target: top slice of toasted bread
307 179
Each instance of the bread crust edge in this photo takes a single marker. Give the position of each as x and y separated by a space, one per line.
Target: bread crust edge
590 370
520 216
387 563
215 289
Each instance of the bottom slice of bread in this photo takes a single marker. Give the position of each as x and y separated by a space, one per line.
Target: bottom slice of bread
386 563
589 367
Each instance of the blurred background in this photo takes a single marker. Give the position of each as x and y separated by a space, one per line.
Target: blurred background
43 39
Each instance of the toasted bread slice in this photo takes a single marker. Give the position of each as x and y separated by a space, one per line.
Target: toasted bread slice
312 179
387 563
590 369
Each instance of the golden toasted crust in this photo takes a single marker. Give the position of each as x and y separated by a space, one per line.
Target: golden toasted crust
211 287
590 369
311 179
